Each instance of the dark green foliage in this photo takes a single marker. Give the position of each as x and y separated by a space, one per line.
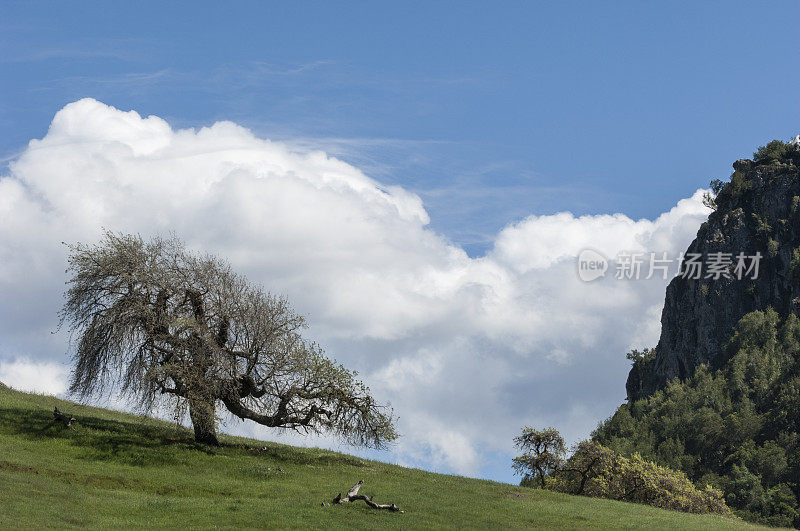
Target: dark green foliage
794 265
641 356
716 185
739 184
726 193
776 152
736 428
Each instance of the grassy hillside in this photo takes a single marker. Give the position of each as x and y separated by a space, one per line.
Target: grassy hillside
119 470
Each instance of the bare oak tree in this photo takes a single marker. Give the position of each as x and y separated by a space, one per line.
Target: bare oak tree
157 320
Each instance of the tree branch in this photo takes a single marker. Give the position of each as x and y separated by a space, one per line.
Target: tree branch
353 495
280 418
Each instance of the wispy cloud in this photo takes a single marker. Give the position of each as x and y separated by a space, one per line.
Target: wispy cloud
276 70
125 80
131 78
61 53
125 50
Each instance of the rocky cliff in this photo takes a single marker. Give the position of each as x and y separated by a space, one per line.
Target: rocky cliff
757 211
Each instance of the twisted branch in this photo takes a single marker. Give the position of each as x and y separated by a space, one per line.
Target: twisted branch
353 495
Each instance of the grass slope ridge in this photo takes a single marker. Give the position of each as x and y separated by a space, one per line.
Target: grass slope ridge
120 470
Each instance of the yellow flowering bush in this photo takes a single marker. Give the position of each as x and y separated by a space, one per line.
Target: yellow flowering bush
595 471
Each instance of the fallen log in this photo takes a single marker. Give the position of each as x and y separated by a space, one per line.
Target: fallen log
65 419
353 495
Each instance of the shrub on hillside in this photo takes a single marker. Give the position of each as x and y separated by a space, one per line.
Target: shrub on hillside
595 471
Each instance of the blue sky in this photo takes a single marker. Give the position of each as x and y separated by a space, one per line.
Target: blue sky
488 112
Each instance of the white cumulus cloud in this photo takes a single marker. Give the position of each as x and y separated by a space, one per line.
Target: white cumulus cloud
467 350
25 374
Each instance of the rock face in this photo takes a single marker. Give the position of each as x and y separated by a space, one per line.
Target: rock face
758 211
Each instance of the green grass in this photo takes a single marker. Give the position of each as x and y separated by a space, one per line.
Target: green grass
119 470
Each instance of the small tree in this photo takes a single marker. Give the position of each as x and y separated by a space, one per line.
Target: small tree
710 198
543 452
641 356
159 320
587 462
716 186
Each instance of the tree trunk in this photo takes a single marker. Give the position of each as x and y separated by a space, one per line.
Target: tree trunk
202 414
